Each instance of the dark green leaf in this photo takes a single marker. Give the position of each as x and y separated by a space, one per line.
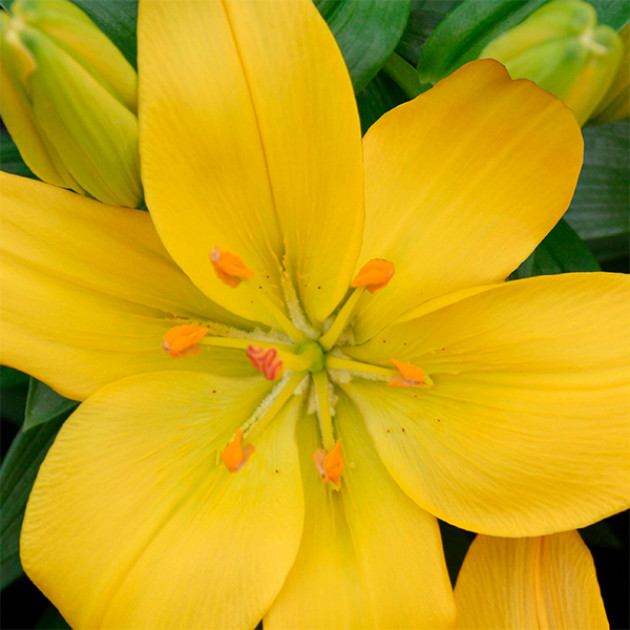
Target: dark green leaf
367 32
117 19
379 96
456 542
466 31
10 158
10 377
51 619
425 15
615 13
561 251
17 476
601 535
45 404
599 212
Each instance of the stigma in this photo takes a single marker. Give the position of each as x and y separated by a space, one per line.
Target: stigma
183 341
265 361
234 456
330 465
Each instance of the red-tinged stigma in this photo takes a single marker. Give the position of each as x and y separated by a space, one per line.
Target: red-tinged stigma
234 456
266 361
374 275
329 465
183 341
411 375
229 267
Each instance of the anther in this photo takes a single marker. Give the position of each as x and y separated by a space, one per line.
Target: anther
411 375
374 275
266 361
329 465
234 455
183 341
229 267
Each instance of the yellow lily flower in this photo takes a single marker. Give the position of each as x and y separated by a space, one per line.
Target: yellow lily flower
306 351
542 583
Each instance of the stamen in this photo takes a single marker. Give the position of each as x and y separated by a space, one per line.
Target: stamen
374 275
265 361
330 464
337 363
183 341
229 267
412 375
234 455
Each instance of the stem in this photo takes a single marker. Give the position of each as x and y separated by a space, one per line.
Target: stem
403 74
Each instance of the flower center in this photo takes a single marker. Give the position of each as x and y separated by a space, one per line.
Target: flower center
301 366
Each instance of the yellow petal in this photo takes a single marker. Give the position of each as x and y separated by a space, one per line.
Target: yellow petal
251 147
369 557
135 522
515 584
88 292
525 429
462 183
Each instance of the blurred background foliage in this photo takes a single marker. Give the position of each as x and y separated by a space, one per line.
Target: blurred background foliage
394 50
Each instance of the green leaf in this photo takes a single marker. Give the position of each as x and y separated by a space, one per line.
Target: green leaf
367 32
599 211
615 13
466 31
10 377
424 17
17 476
601 535
51 619
10 158
379 96
456 542
44 404
561 251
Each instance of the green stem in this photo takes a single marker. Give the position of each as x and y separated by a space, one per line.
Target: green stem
403 74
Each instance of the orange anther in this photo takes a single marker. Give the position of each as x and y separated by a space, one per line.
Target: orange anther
229 267
234 455
183 341
329 465
374 275
412 375
265 361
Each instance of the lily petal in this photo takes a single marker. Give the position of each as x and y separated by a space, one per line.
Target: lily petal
544 582
135 522
462 183
369 557
525 429
88 292
270 171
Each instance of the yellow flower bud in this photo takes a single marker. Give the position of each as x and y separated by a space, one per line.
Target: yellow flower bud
68 98
562 48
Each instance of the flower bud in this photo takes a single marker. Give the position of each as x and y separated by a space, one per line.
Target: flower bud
68 99
616 104
561 47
